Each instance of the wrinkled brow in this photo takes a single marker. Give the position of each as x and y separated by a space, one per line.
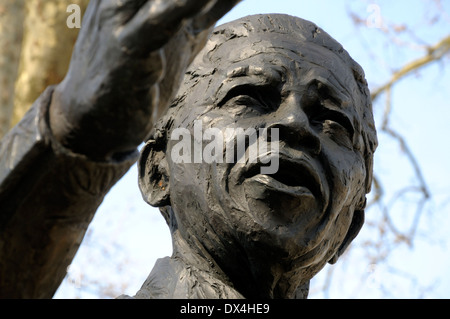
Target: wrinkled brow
249 75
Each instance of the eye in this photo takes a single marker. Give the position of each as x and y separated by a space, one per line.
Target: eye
333 123
264 98
324 114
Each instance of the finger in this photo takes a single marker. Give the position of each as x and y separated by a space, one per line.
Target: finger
156 22
214 14
124 10
89 18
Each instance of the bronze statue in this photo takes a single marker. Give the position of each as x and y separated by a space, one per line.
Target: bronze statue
238 231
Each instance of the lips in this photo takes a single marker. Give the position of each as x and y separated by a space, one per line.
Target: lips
297 175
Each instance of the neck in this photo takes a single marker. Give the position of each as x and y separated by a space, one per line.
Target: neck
268 280
252 277
195 255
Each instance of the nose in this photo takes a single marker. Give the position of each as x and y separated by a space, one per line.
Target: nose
294 126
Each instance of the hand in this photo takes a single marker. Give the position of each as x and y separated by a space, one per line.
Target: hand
112 95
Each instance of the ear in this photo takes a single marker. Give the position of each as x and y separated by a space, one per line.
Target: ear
355 227
154 175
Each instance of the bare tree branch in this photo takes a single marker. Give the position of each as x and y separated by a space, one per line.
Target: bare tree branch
435 53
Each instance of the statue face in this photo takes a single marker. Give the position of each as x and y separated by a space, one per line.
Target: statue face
301 213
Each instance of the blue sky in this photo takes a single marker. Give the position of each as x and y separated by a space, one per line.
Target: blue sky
134 235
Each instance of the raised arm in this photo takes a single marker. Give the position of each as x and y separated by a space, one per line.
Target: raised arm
80 137
126 66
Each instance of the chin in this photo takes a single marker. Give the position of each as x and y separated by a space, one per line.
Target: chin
289 244
307 241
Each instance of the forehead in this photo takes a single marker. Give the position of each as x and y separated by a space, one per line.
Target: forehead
240 49
281 58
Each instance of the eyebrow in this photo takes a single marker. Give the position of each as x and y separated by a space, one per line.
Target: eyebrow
330 93
271 72
248 75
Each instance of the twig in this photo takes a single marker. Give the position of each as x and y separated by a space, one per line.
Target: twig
435 53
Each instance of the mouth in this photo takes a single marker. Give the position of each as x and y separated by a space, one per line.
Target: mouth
296 176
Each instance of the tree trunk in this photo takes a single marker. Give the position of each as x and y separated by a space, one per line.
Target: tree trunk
46 50
11 32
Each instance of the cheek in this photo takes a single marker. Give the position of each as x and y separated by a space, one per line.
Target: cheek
353 174
348 177
339 230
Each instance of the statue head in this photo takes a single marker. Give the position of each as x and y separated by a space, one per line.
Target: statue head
284 85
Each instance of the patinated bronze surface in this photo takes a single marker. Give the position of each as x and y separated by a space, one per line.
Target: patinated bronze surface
238 231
